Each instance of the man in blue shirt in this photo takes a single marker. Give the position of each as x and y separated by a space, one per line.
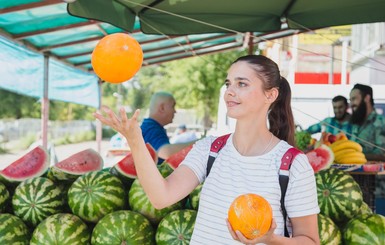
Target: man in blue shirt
335 124
162 110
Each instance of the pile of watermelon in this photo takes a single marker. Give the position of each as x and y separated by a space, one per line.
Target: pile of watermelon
77 201
345 218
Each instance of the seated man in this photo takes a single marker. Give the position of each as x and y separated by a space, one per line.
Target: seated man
162 110
335 124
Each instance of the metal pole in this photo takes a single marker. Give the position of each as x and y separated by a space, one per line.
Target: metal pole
99 130
45 103
331 73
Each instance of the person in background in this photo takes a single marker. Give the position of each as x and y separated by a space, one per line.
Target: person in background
161 113
368 129
340 121
248 163
182 135
368 126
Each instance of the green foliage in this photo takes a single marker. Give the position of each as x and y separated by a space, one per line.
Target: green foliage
302 139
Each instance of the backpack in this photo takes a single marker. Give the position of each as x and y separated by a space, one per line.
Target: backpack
286 162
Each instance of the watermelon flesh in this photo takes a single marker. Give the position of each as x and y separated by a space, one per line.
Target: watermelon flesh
77 164
176 159
320 158
33 164
81 162
126 166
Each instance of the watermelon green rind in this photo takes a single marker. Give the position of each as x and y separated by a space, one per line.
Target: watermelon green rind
365 229
4 197
36 199
339 195
140 203
96 194
63 229
13 230
176 228
33 164
128 228
126 166
194 197
77 164
329 232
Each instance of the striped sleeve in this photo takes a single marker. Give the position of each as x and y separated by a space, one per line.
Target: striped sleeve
197 158
301 196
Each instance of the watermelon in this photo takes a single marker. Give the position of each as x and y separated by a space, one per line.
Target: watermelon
126 167
36 199
328 231
175 159
176 227
140 203
320 158
194 197
4 197
63 229
96 194
339 195
365 229
123 227
33 164
13 230
364 209
76 165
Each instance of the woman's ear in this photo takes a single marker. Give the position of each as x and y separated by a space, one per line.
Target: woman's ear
272 95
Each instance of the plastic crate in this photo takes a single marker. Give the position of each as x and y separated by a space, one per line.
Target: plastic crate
367 182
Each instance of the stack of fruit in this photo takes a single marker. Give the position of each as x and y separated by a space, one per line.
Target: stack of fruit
348 152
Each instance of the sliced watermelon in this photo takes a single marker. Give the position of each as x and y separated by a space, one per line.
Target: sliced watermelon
126 166
175 159
33 164
321 157
77 164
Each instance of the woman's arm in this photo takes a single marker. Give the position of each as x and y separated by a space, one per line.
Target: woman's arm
161 192
305 232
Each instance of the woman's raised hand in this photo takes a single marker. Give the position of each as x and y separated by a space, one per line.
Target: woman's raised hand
129 128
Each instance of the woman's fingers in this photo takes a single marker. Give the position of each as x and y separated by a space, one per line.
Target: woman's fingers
232 233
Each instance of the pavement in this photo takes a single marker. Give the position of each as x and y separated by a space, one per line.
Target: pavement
64 151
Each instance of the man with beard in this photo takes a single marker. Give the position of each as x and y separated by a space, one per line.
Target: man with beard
369 131
368 126
340 121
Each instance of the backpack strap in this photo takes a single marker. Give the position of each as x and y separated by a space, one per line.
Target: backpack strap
216 146
286 162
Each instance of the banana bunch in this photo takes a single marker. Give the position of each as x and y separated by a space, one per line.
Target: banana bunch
348 152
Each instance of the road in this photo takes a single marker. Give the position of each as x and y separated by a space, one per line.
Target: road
62 152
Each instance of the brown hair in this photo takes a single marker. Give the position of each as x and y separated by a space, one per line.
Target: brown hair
280 115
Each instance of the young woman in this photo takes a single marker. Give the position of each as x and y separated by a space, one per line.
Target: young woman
248 163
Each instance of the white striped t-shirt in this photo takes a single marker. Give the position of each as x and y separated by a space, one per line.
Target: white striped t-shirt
233 174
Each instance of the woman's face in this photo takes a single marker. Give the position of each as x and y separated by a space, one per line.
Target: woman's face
244 95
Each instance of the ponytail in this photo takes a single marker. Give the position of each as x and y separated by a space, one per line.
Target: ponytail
280 117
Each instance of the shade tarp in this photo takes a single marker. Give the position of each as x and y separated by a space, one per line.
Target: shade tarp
22 72
176 17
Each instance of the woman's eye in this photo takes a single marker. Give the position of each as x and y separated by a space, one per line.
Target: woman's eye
242 84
